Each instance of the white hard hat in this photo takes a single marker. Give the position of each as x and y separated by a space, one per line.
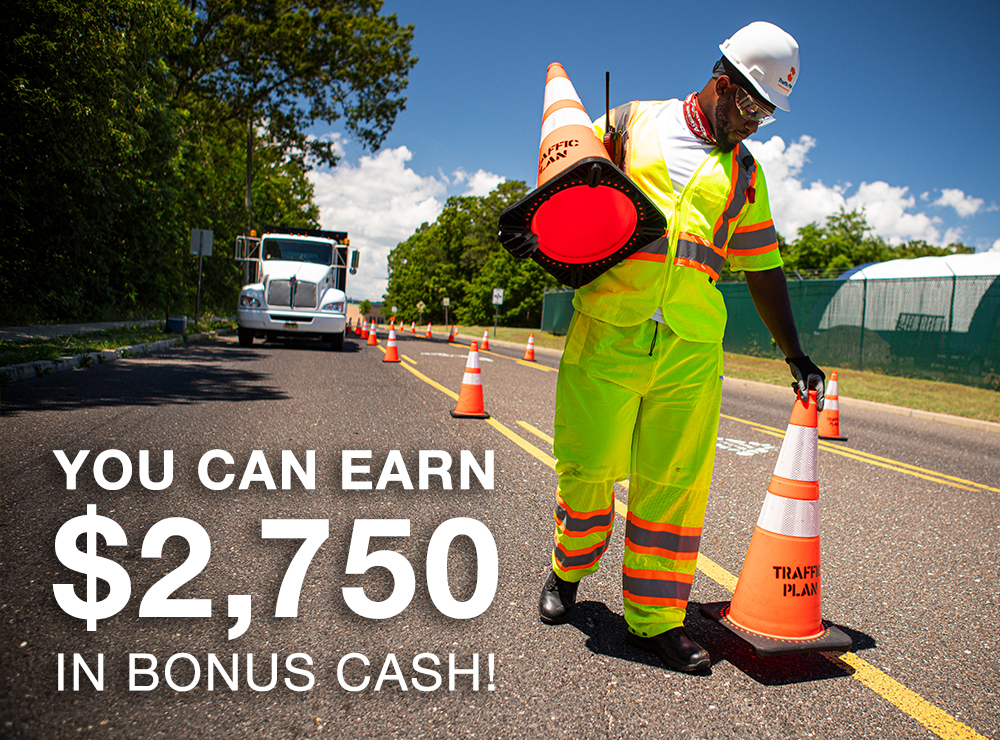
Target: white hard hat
768 57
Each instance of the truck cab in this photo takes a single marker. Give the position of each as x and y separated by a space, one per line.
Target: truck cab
294 283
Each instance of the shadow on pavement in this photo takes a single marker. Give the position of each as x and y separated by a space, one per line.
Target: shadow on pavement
606 636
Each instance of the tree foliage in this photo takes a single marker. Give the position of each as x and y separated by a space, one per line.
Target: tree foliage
126 124
459 257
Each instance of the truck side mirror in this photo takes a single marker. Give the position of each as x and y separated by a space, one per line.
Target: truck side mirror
355 258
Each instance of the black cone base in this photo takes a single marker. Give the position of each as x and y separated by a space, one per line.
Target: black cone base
517 237
831 639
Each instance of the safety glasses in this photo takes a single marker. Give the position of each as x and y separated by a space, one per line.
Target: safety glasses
751 110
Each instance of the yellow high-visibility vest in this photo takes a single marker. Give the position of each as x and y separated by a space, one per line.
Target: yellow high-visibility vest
722 213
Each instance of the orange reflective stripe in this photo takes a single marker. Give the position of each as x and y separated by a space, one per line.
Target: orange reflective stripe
580 524
563 103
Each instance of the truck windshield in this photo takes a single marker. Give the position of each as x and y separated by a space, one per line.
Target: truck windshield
296 250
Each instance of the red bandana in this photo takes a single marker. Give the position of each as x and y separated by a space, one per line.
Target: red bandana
696 120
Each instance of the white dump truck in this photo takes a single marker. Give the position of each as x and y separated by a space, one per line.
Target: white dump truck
293 285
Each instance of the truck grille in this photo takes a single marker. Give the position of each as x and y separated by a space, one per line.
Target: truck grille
279 293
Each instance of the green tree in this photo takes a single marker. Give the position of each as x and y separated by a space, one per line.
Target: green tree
365 307
459 257
88 168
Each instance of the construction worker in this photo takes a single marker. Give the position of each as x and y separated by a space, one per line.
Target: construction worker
639 386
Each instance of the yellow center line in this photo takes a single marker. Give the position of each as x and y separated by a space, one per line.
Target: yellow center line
883 462
537 432
907 701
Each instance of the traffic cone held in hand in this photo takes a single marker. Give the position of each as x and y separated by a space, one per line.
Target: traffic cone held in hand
776 604
486 340
585 215
829 417
529 351
470 397
391 350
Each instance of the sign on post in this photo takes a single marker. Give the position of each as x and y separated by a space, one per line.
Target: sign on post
201 245
497 302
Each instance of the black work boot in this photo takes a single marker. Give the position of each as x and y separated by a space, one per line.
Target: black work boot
675 649
557 600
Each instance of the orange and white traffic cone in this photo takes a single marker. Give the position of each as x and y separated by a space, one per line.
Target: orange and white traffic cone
413 328
349 329
829 417
372 336
428 334
451 336
486 340
364 330
391 350
470 397
776 604
529 351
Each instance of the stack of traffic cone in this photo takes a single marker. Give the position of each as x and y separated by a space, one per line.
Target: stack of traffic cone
776 605
364 330
829 417
486 340
391 351
529 352
372 336
470 397
428 334
451 336
413 328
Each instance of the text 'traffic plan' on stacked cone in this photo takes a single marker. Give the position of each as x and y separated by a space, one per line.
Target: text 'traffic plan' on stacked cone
776 604
470 397
585 215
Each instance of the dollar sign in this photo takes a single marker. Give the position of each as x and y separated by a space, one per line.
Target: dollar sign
93 566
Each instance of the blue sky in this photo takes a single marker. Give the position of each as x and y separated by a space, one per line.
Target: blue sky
894 110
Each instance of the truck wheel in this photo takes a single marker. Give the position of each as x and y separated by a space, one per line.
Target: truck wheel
337 341
245 336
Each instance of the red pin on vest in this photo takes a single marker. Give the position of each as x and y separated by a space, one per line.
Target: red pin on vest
585 216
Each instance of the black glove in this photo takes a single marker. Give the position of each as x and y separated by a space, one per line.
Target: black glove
807 377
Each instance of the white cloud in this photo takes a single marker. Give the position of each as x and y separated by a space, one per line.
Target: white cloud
996 246
889 209
380 202
480 183
964 205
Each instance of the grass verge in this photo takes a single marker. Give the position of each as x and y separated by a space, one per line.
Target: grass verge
52 348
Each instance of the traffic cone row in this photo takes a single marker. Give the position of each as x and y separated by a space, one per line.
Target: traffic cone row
776 604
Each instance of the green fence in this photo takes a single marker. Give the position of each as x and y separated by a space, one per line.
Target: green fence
942 328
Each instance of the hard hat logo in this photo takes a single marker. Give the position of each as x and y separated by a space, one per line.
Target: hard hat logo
791 75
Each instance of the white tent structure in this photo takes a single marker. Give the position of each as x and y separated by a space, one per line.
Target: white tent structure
944 292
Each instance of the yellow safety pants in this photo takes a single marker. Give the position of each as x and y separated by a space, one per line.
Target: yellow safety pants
640 403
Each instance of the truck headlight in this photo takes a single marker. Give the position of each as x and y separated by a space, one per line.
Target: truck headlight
249 301
338 306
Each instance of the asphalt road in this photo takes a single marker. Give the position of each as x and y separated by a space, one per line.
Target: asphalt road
910 530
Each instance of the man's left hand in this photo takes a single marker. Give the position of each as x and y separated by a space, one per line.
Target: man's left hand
807 377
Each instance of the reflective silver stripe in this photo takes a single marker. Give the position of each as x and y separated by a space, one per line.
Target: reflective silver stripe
581 560
799 450
564 117
742 182
583 523
657 246
669 542
656 588
745 241
789 516
701 254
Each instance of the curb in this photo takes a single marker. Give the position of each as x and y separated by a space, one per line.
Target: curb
40 368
